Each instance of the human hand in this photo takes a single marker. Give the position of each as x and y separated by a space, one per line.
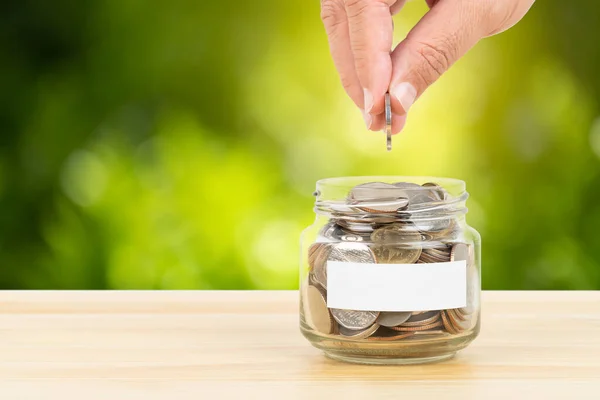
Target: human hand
360 40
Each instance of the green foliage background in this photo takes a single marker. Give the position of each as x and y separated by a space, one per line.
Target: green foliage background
175 144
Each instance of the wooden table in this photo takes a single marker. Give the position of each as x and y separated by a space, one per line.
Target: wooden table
246 345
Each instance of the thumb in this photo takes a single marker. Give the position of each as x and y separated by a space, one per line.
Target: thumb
440 38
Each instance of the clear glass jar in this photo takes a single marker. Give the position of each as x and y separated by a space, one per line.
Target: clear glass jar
390 270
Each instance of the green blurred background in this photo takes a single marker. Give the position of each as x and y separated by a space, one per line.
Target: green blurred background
176 144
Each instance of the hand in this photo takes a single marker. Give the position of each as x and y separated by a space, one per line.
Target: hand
360 40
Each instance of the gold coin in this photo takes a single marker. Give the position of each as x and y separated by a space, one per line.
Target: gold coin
318 314
416 328
396 254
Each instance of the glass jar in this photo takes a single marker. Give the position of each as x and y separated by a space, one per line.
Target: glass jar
390 270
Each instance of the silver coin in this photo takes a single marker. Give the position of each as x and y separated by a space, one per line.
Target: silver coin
331 231
374 191
351 252
388 122
460 251
353 226
422 316
406 185
441 193
353 319
383 205
335 232
391 319
358 334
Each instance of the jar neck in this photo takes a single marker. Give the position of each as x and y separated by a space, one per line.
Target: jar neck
391 199
454 207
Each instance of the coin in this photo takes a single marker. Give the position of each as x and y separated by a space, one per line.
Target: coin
313 251
460 251
353 319
319 265
457 314
351 252
318 314
447 323
331 231
375 191
386 206
358 334
402 328
335 232
355 226
433 255
389 319
396 234
396 254
406 185
388 121
423 319
440 191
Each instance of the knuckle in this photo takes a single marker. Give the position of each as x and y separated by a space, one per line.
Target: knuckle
496 15
434 59
347 82
332 13
356 7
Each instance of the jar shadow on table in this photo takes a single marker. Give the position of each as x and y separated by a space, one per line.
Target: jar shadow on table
390 271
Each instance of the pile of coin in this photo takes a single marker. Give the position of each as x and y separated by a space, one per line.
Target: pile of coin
389 223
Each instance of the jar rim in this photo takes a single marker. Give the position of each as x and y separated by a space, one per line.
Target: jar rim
332 200
453 185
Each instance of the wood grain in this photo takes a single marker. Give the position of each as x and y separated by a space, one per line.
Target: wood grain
231 344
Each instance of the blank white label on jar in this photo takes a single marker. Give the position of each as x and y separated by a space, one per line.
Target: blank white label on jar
396 287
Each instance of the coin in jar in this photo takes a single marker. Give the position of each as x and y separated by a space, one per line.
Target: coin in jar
396 254
319 264
389 318
354 319
358 333
318 314
439 191
351 252
375 191
396 234
384 206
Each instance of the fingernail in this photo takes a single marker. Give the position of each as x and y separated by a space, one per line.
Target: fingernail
368 100
368 119
406 94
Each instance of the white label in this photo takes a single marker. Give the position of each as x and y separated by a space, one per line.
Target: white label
396 287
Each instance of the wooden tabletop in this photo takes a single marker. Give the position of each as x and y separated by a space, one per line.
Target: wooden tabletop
246 345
